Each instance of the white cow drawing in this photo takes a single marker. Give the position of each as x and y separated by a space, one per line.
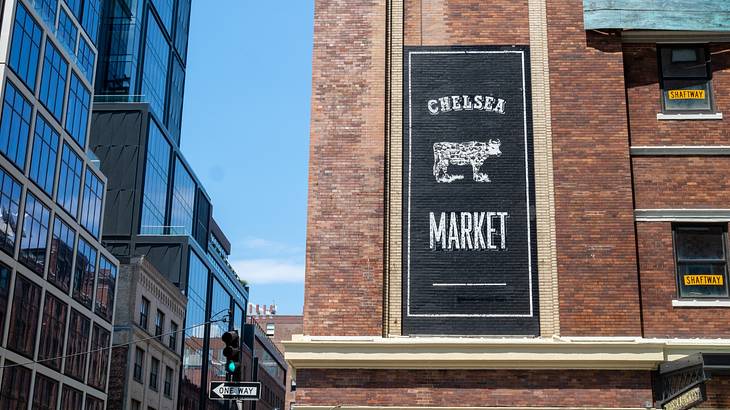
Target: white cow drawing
472 153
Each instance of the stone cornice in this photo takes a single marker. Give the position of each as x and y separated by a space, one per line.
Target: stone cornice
491 353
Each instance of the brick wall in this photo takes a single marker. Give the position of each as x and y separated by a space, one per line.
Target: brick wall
659 288
644 99
344 265
597 273
717 393
465 22
477 388
681 182
117 378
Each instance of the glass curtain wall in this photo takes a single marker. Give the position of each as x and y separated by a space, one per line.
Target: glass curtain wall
191 386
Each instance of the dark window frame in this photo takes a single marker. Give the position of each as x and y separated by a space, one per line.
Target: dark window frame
144 314
723 231
159 324
707 78
154 373
138 372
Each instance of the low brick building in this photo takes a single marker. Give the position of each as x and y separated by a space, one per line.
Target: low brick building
517 204
145 371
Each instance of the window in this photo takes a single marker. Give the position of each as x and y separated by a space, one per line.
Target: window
77 346
136 405
45 396
270 329
91 205
9 209
90 21
47 9
15 126
183 201
144 312
701 261
79 104
175 105
154 75
53 81
71 398
159 325
155 182
44 155
164 10
69 181
53 332
24 319
35 235
62 250
92 403
26 46
181 27
75 6
67 32
86 57
154 371
105 287
99 358
15 393
686 79
173 336
138 364
5 272
168 382
202 219
84 273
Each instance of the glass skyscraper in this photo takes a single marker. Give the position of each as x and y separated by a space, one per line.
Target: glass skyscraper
57 283
157 207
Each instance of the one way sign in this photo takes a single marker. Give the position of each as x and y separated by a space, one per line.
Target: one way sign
234 391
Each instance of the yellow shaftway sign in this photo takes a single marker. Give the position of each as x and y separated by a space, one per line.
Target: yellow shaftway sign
686 94
704 280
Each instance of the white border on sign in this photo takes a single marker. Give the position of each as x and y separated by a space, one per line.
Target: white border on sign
527 191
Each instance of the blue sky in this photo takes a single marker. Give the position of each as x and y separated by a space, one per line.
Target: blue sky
246 134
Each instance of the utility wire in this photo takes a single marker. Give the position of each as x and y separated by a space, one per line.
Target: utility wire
223 319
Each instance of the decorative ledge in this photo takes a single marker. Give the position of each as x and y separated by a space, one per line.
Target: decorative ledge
682 215
701 303
605 353
685 117
684 150
471 353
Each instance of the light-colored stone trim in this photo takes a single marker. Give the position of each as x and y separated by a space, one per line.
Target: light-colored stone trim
701 303
336 406
685 150
682 215
624 353
394 135
701 117
543 157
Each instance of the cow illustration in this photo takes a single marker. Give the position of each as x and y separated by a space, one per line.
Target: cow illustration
472 153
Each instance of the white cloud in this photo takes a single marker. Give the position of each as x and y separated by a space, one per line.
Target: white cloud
269 271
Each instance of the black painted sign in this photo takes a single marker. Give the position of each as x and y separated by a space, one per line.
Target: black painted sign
469 255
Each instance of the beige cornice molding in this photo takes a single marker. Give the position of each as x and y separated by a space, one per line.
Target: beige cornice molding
608 353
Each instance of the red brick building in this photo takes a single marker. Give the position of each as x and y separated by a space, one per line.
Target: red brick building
517 204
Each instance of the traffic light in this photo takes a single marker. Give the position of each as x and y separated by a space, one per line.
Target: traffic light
232 353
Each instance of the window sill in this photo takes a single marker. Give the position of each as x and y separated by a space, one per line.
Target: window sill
716 303
713 116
